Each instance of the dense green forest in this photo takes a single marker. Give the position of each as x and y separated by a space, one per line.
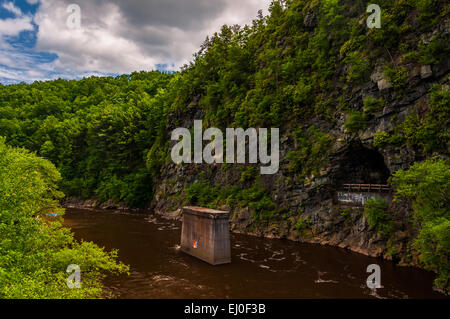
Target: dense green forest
97 131
108 137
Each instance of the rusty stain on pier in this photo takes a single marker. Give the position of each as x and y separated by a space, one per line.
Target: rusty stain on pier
205 234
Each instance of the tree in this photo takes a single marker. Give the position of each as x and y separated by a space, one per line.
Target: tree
427 185
35 249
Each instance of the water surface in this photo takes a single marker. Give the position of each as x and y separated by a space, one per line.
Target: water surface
260 268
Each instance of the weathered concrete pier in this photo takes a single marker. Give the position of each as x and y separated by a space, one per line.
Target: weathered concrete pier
205 234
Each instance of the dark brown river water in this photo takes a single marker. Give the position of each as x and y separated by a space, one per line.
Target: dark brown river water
260 268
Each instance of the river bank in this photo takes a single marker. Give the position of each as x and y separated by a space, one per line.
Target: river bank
239 223
260 268
367 244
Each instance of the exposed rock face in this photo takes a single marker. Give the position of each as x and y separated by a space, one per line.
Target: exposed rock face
384 84
71 202
354 159
425 71
312 200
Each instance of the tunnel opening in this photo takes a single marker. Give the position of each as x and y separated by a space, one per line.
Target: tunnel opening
361 165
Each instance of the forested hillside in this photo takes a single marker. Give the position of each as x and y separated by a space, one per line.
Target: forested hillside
353 104
97 131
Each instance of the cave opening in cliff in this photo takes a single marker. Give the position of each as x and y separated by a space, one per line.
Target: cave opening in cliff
361 165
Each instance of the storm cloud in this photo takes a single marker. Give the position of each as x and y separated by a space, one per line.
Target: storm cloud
124 36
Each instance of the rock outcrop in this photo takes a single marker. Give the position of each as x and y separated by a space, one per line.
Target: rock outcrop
353 158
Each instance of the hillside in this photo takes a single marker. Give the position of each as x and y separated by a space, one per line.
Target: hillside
354 106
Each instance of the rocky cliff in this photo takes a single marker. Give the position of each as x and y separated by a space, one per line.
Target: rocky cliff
360 132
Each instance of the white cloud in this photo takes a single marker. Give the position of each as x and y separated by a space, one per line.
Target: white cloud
12 27
12 8
125 36
22 67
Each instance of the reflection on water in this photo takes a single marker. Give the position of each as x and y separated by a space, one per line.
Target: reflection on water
260 268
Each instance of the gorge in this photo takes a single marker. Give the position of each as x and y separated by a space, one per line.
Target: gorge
354 106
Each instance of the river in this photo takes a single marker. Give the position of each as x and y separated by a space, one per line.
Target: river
260 268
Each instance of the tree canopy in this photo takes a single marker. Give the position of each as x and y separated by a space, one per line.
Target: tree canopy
35 249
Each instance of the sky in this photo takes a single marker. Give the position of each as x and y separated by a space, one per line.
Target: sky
41 39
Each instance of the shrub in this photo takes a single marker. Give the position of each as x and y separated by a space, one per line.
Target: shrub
355 122
373 105
430 133
375 210
381 139
435 51
359 69
248 174
301 225
427 185
412 56
255 197
201 193
433 243
36 250
428 11
397 76
346 212
311 153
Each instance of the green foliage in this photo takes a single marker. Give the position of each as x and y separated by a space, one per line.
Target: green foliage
430 10
346 213
382 138
397 76
155 158
255 197
108 136
355 122
431 51
434 52
248 174
430 132
201 193
372 105
302 225
270 73
433 243
35 250
427 185
103 134
376 212
359 69
352 45
311 151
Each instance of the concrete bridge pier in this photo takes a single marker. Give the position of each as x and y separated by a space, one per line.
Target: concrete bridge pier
205 235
